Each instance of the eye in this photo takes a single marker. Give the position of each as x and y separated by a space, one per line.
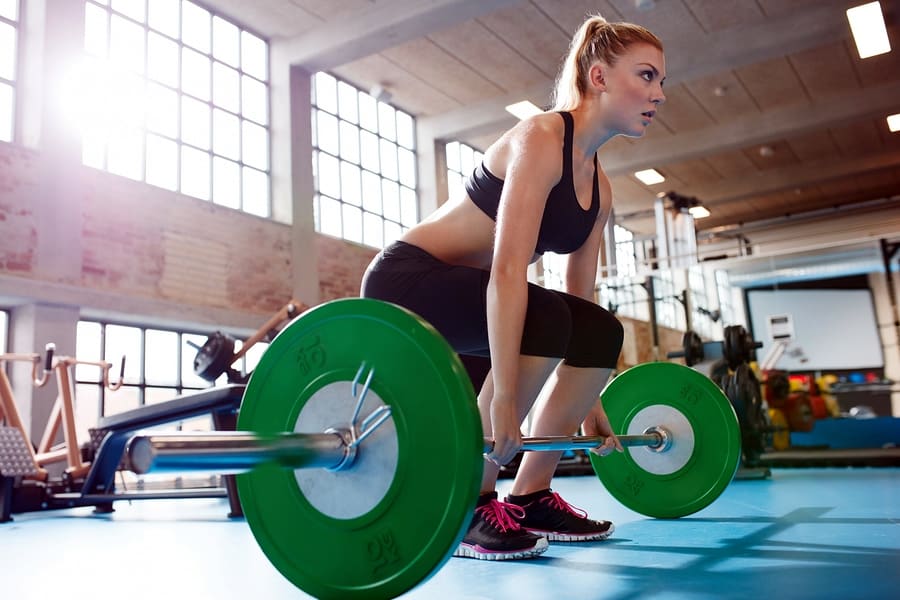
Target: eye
647 75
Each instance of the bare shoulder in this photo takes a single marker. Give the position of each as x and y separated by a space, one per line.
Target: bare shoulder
534 138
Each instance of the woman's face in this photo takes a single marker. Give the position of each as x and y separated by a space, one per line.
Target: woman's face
633 89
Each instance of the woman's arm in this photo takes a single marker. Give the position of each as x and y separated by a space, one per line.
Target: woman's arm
581 265
533 157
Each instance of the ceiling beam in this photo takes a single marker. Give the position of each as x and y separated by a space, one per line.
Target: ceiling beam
379 27
755 129
770 181
686 60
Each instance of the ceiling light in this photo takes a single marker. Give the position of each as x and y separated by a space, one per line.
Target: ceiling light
869 31
894 122
699 212
523 109
649 176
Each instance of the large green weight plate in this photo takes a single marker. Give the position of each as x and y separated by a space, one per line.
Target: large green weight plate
417 523
699 466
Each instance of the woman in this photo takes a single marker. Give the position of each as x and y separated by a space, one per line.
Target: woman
464 269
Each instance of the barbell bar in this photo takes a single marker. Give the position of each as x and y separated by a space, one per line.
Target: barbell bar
395 490
231 452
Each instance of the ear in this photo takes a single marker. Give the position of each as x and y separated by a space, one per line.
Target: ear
597 76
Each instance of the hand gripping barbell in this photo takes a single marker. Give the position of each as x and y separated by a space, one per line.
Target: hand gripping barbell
361 438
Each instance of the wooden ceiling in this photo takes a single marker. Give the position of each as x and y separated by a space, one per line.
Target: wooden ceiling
769 112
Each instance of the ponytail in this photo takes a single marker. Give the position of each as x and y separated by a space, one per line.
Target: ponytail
596 39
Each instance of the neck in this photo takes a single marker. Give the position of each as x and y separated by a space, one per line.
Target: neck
589 132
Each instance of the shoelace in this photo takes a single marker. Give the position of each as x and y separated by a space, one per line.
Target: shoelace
556 501
502 515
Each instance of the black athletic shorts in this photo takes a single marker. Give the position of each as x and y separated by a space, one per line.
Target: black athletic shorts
454 300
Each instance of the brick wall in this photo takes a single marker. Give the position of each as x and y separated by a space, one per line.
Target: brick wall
341 267
18 224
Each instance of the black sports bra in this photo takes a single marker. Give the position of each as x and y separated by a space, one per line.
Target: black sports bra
565 226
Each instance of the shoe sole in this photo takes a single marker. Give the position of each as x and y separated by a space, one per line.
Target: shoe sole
556 536
477 552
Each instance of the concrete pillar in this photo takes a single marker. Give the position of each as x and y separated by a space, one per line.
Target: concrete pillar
33 326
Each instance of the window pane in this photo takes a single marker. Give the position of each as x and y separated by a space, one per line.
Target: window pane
188 353
390 195
368 112
330 216
162 162
195 73
226 42
93 148
371 192
126 153
130 8
6 112
349 142
126 45
195 173
10 10
347 102
387 124
392 231
255 144
95 39
123 399
327 132
254 100
373 230
388 159
195 120
124 341
161 364
452 152
87 409
256 192
253 56
329 175
368 150
350 184
226 134
162 110
406 136
409 210
226 91
164 16
407 167
87 347
352 223
326 92
466 159
195 26
162 59
226 183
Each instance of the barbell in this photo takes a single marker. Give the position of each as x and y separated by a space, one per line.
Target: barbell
361 448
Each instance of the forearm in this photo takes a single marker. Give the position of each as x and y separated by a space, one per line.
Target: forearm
507 303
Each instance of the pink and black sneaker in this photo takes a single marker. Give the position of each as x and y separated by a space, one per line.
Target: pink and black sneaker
495 534
548 515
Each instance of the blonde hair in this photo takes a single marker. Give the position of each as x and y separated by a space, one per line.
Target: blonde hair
596 39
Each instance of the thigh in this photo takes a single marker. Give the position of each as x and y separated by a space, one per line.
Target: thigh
597 335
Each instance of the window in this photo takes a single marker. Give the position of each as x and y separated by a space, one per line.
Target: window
158 367
4 329
669 310
177 96
461 161
364 164
9 61
723 290
701 319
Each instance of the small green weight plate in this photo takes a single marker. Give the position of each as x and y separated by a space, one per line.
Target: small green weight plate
706 445
421 515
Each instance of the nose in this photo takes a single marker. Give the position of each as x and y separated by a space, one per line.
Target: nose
660 97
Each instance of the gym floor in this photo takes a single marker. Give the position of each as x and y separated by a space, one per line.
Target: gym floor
803 533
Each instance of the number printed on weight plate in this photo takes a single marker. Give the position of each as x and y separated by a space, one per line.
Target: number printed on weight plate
383 552
311 356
